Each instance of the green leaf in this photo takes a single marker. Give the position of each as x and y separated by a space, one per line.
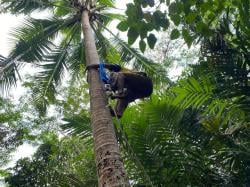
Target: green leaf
131 9
25 7
151 40
192 2
187 37
200 26
143 30
3 173
190 18
175 8
61 12
150 26
203 29
165 23
159 20
123 26
205 7
175 34
157 17
180 7
132 35
142 45
108 3
113 56
35 37
176 19
62 8
172 8
113 16
134 13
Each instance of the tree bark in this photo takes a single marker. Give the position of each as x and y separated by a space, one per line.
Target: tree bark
108 160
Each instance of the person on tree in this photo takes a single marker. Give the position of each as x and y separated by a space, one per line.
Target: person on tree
126 84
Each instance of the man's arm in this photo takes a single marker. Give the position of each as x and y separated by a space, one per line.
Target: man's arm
111 67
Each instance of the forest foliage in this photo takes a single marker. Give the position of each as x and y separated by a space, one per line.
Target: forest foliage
192 132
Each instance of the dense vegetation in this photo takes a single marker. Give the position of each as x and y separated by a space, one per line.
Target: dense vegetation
192 132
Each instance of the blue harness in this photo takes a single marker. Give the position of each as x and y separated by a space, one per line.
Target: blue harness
102 73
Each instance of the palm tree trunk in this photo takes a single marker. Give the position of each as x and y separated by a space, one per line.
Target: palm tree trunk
110 168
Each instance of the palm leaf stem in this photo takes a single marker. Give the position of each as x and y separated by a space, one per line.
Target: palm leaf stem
126 47
60 60
42 3
108 15
18 74
6 66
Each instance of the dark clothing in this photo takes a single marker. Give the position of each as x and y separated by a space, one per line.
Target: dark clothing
137 86
128 85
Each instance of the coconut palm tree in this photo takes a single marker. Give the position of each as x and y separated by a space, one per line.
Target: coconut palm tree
72 23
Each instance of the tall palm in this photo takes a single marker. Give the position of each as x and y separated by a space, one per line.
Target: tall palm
35 44
108 160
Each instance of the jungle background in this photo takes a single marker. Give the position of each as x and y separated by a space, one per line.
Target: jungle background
193 130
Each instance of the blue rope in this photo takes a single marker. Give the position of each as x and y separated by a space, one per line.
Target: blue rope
102 73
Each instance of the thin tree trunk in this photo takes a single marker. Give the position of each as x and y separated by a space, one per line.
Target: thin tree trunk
110 168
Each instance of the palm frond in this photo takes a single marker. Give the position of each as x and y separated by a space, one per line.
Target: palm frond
203 94
26 6
77 125
113 16
49 78
44 90
115 49
140 62
8 73
108 3
170 142
35 38
76 60
106 51
106 18
192 92
167 154
64 8
76 54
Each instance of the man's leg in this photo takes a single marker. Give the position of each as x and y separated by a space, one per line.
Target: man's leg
121 106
